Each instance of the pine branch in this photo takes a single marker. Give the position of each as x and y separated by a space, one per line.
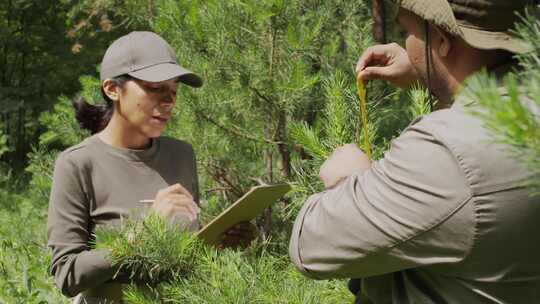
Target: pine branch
261 96
235 130
220 174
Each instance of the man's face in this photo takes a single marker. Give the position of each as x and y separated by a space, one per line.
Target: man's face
415 45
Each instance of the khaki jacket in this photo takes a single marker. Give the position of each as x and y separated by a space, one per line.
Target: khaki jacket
444 217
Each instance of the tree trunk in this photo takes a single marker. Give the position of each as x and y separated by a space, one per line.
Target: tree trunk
266 225
283 149
379 25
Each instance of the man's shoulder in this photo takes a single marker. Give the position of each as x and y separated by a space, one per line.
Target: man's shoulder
488 164
451 123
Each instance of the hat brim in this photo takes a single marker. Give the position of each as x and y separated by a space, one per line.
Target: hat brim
440 13
486 40
166 71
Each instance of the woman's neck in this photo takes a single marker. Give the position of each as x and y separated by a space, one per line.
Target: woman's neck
118 134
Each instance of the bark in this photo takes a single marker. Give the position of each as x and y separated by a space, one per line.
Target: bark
379 25
283 148
267 216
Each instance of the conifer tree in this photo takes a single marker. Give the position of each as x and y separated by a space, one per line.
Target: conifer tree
264 64
279 97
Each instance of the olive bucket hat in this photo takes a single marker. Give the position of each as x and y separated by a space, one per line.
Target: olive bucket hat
145 56
483 24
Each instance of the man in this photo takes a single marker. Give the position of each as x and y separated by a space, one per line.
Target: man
444 216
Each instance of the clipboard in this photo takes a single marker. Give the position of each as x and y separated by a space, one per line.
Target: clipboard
244 209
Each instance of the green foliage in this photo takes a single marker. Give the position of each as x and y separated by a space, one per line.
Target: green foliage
62 127
24 258
90 18
512 120
234 277
419 101
264 64
175 267
46 46
341 124
41 168
514 117
3 143
150 250
279 96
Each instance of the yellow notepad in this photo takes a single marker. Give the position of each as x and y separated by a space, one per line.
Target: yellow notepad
244 209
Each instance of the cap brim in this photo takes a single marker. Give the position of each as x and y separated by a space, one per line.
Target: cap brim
166 71
486 40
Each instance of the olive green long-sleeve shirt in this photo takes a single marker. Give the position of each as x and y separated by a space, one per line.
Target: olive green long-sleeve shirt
96 184
444 217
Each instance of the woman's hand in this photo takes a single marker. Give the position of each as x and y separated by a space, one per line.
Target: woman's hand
239 236
388 62
175 200
344 161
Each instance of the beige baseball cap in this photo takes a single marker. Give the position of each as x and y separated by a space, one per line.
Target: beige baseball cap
145 56
483 24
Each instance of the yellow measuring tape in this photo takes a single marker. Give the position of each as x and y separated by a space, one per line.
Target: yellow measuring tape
361 87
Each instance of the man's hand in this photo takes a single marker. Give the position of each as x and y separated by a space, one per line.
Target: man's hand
388 62
345 161
239 236
175 200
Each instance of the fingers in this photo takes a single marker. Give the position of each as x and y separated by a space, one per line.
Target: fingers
388 62
244 226
384 61
240 235
176 188
176 199
377 54
375 72
180 200
180 189
189 212
242 229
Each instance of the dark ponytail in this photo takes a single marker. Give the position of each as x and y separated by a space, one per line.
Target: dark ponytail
96 117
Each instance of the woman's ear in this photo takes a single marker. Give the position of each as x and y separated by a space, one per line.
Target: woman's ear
111 89
443 42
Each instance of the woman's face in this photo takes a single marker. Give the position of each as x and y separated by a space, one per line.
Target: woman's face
146 107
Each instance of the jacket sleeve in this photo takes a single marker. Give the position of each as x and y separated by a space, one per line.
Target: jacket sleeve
75 267
410 209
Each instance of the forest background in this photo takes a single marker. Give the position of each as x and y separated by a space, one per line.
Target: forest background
279 96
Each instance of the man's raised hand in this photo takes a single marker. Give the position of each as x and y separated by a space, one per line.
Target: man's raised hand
388 62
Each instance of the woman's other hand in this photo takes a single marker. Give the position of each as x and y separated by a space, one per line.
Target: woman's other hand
388 62
344 161
239 236
175 200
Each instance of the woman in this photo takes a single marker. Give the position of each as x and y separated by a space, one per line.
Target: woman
124 162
